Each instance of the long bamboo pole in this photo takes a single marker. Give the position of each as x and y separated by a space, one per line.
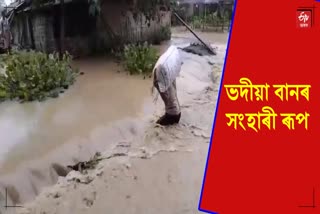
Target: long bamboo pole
185 24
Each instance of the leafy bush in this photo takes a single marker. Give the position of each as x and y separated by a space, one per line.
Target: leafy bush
214 19
197 22
165 32
162 35
211 19
29 76
139 58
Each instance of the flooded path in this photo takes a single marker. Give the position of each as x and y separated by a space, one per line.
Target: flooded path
29 132
98 98
100 111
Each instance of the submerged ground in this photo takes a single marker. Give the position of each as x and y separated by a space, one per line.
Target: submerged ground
160 169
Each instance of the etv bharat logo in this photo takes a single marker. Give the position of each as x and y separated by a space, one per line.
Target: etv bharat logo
305 17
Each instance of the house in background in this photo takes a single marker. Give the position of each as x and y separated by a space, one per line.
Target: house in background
39 27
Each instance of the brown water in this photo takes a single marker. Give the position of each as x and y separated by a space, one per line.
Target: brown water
102 95
75 125
182 35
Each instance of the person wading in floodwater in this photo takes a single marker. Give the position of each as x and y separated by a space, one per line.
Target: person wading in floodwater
165 73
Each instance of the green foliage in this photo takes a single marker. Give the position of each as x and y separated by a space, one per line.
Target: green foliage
165 32
212 19
228 15
140 58
163 35
30 76
197 21
178 8
173 4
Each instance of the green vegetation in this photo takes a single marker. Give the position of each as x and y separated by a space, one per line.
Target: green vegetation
163 35
197 22
165 32
29 76
211 20
139 58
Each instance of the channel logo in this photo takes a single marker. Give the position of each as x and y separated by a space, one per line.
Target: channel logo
305 17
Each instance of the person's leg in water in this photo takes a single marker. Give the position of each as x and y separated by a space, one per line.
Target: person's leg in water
172 107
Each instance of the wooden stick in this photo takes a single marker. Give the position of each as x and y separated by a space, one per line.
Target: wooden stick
185 24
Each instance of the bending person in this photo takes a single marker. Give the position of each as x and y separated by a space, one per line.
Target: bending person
165 73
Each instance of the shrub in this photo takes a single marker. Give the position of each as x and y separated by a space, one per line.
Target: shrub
165 32
163 35
32 75
212 20
197 22
139 58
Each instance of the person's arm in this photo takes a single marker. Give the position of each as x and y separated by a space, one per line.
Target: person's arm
155 81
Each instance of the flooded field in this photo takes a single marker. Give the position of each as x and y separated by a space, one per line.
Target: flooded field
74 126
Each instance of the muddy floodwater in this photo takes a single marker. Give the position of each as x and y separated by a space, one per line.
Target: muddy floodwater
103 95
99 97
74 126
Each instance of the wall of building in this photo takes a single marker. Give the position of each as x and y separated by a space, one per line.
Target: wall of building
131 25
15 30
42 30
19 31
42 24
116 20
46 32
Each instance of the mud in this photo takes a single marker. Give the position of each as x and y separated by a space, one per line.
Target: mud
114 113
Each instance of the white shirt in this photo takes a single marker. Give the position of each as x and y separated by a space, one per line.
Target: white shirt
168 68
